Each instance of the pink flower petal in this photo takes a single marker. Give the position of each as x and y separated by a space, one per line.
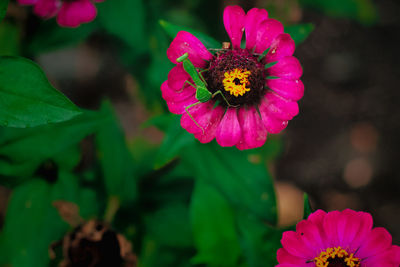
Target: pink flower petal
330 225
317 218
396 254
172 95
272 124
201 115
348 226
228 131
46 8
388 258
177 77
289 89
363 230
254 133
287 67
210 123
272 114
278 107
311 236
285 257
234 19
291 265
73 14
186 42
376 242
253 19
177 102
267 31
180 107
293 244
282 46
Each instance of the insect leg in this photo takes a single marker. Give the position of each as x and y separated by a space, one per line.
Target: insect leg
202 77
187 82
190 115
182 58
219 92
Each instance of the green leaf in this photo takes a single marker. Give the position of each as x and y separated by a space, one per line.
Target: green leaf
172 30
175 139
247 186
9 39
363 11
259 241
307 206
170 226
50 36
116 161
3 9
126 20
32 223
213 227
299 32
269 65
26 97
44 142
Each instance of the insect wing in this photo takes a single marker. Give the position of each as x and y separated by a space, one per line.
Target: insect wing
202 94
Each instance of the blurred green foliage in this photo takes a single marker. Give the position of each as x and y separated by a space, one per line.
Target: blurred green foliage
172 30
363 11
49 36
10 35
32 222
126 20
3 9
299 32
117 165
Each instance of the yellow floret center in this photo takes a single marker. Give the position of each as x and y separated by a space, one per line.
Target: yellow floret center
336 254
236 81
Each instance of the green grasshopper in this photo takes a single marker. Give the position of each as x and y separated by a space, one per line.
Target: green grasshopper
202 93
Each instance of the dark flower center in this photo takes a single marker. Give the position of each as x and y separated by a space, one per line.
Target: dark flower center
238 75
337 262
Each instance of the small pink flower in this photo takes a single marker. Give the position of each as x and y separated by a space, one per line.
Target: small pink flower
259 99
70 13
338 239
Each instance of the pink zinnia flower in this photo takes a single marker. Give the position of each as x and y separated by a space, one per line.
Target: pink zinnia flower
261 99
70 13
338 239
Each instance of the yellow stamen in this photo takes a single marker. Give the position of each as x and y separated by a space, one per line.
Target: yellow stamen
331 253
236 81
